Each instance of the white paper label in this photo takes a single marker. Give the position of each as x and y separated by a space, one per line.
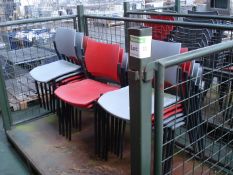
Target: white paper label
140 46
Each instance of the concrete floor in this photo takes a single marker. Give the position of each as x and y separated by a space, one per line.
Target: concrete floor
10 162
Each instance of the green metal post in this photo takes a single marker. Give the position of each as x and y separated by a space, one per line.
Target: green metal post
75 23
177 6
126 24
140 92
158 112
80 13
4 106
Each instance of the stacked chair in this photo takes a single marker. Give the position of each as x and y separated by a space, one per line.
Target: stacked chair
225 74
68 46
102 66
191 38
113 114
190 77
194 38
161 31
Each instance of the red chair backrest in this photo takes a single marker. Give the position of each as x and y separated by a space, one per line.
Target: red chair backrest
160 31
102 59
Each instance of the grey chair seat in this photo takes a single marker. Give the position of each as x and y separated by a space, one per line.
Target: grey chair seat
48 72
117 102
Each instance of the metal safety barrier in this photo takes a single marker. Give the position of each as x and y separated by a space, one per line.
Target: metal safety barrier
192 134
26 44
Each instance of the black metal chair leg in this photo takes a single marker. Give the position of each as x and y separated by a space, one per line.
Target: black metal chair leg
53 99
69 116
63 121
122 139
96 129
46 96
119 137
112 133
38 93
99 133
115 136
80 120
59 117
50 98
42 95
107 136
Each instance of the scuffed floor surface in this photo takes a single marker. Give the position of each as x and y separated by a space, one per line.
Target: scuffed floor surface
52 154
55 155
10 162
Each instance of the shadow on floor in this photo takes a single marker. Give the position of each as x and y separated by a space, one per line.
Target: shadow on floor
11 162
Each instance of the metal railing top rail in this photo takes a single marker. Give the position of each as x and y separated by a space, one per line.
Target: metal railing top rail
176 23
178 59
37 20
145 12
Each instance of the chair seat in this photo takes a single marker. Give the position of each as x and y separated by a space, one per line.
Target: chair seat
117 102
48 72
83 93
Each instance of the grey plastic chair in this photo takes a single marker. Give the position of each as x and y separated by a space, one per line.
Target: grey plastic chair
68 46
113 111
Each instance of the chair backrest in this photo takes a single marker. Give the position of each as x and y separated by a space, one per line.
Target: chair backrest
102 59
160 31
200 20
203 12
65 41
79 45
161 49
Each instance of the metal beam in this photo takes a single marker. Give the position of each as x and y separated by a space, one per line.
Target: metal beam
80 13
4 104
177 6
140 92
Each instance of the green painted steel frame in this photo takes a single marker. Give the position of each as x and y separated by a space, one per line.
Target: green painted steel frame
4 105
140 12
37 20
159 68
140 121
177 6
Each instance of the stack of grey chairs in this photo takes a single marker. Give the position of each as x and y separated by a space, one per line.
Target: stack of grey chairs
68 46
195 38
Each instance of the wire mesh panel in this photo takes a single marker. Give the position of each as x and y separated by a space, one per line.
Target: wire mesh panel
109 31
164 28
23 47
197 119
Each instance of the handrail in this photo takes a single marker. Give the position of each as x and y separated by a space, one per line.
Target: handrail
178 59
136 12
175 23
37 20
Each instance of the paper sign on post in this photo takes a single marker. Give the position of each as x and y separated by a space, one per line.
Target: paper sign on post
140 46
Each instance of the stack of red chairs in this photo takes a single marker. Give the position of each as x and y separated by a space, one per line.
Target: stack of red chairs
101 66
161 31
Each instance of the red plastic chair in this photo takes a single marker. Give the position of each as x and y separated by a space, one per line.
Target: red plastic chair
101 67
161 31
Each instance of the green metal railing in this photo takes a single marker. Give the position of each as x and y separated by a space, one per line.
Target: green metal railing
140 74
19 84
38 20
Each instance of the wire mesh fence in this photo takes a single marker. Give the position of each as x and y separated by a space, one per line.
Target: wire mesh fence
197 126
23 47
198 135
